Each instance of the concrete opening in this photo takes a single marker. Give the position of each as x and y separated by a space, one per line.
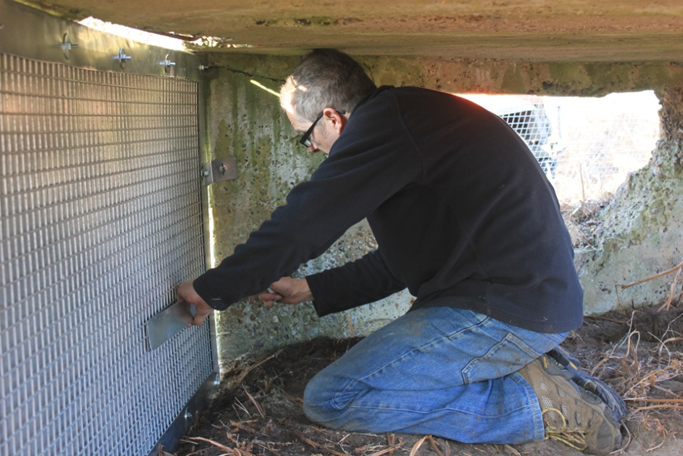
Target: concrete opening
587 146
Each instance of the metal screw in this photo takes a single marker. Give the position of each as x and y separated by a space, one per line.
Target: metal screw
187 415
222 168
206 173
203 67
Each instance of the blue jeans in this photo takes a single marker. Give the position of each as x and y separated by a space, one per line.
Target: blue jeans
441 371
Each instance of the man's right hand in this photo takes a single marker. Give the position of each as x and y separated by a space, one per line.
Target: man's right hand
188 294
287 291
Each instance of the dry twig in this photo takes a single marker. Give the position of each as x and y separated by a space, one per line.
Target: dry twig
676 269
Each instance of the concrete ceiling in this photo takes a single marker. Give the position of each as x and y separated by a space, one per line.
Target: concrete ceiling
520 30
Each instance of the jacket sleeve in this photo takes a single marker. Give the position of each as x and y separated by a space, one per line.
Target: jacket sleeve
373 159
365 280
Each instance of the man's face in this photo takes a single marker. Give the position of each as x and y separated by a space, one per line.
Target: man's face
326 130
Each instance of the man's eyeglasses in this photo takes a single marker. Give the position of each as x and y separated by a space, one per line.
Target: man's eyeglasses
305 139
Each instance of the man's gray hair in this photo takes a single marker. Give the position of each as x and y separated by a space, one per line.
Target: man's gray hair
325 78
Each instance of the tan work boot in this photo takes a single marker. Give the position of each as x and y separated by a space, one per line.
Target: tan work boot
572 414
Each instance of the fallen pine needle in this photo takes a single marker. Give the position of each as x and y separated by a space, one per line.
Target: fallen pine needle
599 317
259 409
655 447
656 401
310 442
434 447
630 439
243 427
417 445
672 295
656 276
512 450
230 451
386 451
298 401
652 407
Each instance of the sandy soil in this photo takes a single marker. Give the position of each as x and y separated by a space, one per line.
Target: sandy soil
258 411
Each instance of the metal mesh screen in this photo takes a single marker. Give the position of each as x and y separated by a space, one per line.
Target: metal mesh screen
586 146
101 219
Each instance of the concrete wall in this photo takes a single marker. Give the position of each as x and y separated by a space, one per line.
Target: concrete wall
642 233
246 122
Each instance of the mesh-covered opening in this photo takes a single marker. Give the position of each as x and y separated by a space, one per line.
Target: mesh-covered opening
586 146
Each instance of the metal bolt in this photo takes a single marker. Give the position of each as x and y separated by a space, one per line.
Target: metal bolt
222 168
187 415
122 58
67 45
203 67
167 64
206 173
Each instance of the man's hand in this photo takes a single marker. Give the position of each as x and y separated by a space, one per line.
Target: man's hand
202 309
287 291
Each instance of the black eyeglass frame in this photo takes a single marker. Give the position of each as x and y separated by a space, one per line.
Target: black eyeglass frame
305 139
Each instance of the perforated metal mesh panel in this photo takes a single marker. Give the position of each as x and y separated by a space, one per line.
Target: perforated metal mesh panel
101 220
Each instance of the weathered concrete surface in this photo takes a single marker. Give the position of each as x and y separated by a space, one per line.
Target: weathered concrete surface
246 123
521 30
642 229
483 76
643 225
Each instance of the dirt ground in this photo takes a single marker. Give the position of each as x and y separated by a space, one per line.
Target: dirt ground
257 410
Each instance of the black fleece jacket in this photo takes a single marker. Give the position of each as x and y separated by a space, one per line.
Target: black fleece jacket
462 213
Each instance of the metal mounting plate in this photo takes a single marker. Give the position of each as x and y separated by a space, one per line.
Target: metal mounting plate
219 170
167 323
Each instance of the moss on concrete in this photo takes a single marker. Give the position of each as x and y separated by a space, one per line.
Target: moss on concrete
246 122
642 226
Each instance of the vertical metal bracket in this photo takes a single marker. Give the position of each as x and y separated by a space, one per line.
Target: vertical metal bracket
219 170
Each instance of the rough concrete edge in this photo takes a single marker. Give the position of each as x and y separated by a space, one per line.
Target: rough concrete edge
642 227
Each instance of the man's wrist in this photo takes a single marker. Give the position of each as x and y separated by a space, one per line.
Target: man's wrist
304 290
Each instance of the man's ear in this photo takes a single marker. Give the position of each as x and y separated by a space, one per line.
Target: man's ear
338 121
